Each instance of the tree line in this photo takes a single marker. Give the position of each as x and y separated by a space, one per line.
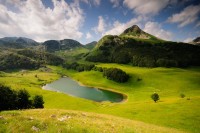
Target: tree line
12 99
114 74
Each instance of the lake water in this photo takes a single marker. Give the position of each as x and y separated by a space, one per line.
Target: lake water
71 87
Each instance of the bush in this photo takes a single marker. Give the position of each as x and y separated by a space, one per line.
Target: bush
182 95
10 99
79 67
23 99
7 98
38 101
166 63
155 97
116 74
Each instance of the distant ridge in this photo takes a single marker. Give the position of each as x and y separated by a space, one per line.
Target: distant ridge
65 44
17 42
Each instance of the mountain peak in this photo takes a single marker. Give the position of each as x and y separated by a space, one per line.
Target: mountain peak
196 41
133 29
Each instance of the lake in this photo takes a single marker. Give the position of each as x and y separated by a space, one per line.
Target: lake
71 87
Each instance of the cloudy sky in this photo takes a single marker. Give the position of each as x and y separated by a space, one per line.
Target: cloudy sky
89 20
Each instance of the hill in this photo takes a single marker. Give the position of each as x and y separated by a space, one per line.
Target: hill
135 32
90 45
139 48
72 121
26 59
57 45
17 42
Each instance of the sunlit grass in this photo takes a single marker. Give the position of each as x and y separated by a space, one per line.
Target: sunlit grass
171 111
73 121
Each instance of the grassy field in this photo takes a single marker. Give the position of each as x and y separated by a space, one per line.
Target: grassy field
52 121
171 111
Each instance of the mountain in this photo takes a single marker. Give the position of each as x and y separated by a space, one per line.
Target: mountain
17 42
139 48
56 45
135 32
26 59
90 45
196 41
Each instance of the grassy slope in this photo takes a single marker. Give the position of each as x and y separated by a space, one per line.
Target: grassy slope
74 54
52 121
171 111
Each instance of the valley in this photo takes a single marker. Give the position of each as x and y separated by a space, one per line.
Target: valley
126 69
169 83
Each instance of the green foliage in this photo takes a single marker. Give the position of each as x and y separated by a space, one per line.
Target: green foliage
91 45
100 69
13 61
182 95
166 63
10 99
79 67
42 57
7 98
38 101
144 52
155 97
23 99
116 74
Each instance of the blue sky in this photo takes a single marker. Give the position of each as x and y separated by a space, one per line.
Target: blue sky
89 20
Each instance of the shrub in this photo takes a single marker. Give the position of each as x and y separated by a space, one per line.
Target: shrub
23 99
116 74
182 95
79 67
38 101
155 97
166 63
7 98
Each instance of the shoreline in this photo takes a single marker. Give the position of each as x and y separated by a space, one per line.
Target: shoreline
124 96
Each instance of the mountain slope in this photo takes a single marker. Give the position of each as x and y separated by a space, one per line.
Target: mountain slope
26 59
90 45
147 51
17 42
56 45
44 120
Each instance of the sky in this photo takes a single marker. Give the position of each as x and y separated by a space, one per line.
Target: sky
90 20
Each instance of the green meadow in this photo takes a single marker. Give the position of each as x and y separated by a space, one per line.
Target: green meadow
170 114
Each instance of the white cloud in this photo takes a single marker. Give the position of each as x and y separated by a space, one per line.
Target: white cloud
88 36
115 3
90 2
101 25
118 27
147 7
97 2
36 21
185 17
188 40
155 29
